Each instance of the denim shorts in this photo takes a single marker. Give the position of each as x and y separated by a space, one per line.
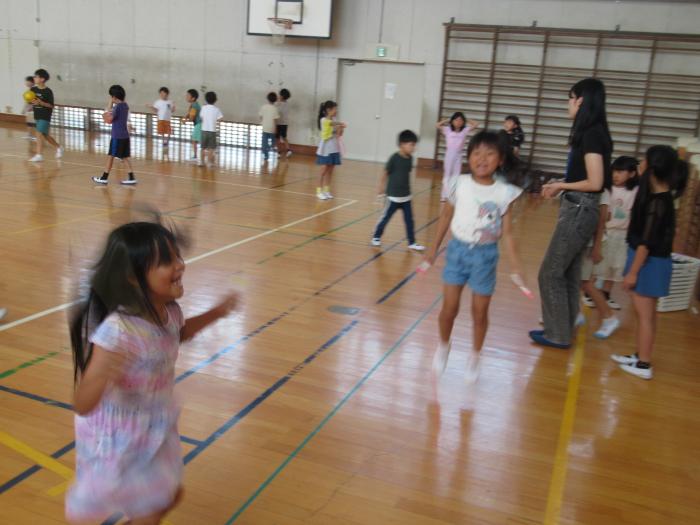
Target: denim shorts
332 159
471 264
654 278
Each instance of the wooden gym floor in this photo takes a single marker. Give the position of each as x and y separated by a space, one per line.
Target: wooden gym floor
313 403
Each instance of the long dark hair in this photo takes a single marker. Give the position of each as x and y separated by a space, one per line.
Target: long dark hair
119 282
328 104
455 116
592 111
665 165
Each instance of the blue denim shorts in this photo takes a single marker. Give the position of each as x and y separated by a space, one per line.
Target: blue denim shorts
333 159
471 264
654 278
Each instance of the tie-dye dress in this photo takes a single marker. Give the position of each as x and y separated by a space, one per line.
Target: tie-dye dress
128 456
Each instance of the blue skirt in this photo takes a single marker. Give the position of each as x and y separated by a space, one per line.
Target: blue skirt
654 277
332 159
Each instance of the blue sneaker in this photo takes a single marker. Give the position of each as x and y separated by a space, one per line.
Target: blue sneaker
538 337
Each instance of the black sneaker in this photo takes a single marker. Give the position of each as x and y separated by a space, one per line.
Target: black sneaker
100 180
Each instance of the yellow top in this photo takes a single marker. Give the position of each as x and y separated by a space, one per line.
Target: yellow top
326 128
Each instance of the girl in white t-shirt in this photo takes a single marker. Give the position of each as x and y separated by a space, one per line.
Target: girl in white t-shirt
478 213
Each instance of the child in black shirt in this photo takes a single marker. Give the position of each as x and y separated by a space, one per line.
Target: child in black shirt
650 239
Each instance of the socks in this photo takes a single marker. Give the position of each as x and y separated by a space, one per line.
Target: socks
643 364
606 294
105 176
131 175
319 189
326 189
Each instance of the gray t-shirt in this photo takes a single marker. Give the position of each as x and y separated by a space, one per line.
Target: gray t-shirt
399 181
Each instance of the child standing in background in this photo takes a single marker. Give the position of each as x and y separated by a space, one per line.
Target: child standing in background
268 117
28 110
211 116
165 109
455 129
623 193
328 152
650 239
117 114
396 185
193 116
283 123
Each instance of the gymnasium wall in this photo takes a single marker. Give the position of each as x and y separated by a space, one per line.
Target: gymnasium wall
143 44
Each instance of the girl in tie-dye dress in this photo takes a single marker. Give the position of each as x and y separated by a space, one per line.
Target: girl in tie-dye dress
125 339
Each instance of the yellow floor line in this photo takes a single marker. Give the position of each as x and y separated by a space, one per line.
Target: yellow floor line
558 480
37 457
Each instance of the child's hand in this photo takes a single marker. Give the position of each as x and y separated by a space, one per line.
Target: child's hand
630 281
430 257
551 190
596 254
228 304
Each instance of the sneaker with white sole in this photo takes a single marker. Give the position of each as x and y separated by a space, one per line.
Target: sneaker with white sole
3 312
635 370
440 358
37 158
416 247
376 241
473 367
580 319
321 196
588 301
630 359
614 305
289 153
129 182
329 195
607 328
59 152
100 180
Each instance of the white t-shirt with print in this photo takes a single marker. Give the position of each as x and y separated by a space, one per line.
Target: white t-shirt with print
164 108
621 202
209 116
479 208
268 116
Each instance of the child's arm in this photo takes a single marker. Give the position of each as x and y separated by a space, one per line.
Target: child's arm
381 189
473 124
105 367
509 243
443 225
194 325
441 123
597 251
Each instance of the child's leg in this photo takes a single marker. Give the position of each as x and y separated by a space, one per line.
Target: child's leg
389 210
480 318
39 141
608 286
604 311
127 161
450 308
194 147
109 164
408 220
52 141
646 325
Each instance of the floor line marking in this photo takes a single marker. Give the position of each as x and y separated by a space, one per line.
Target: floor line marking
334 411
26 364
561 457
37 457
64 306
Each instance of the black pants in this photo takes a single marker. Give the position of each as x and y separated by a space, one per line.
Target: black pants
389 210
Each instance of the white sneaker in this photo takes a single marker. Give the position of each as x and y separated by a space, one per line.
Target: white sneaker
37 158
100 180
59 152
440 358
328 195
322 196
129 182
580 319
644 373
3 312
630 359
607 327
588 301
289 153
612 304
200 163
473 367
416 247
376 241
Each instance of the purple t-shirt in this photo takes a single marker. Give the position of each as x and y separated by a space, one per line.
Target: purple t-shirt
120 117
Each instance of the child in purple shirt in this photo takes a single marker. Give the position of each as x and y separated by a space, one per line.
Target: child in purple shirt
117 114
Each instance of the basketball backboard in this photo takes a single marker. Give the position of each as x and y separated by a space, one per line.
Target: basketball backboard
311 18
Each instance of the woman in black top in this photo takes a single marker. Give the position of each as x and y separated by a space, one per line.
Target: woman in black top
587 174
650 239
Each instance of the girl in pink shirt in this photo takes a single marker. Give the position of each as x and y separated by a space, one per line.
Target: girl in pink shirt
455 129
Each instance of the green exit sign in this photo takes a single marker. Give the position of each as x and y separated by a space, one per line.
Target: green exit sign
381 51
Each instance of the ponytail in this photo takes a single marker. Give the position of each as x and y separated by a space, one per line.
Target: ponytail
679 181
328 104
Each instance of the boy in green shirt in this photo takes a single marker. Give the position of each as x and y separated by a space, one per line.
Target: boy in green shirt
43 108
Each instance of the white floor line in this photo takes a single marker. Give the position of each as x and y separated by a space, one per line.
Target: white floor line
182 177
65 306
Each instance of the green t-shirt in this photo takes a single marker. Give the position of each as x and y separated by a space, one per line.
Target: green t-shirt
399 181
46 95
197 110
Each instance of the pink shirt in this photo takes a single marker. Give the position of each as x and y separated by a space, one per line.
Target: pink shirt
455 139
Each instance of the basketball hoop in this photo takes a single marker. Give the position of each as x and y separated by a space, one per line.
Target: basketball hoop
279 28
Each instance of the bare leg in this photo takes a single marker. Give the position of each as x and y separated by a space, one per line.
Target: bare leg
480 318
52 141
608 286
108 166
449 311
604 311
39 141
646 325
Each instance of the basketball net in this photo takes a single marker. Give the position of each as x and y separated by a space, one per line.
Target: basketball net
279 28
